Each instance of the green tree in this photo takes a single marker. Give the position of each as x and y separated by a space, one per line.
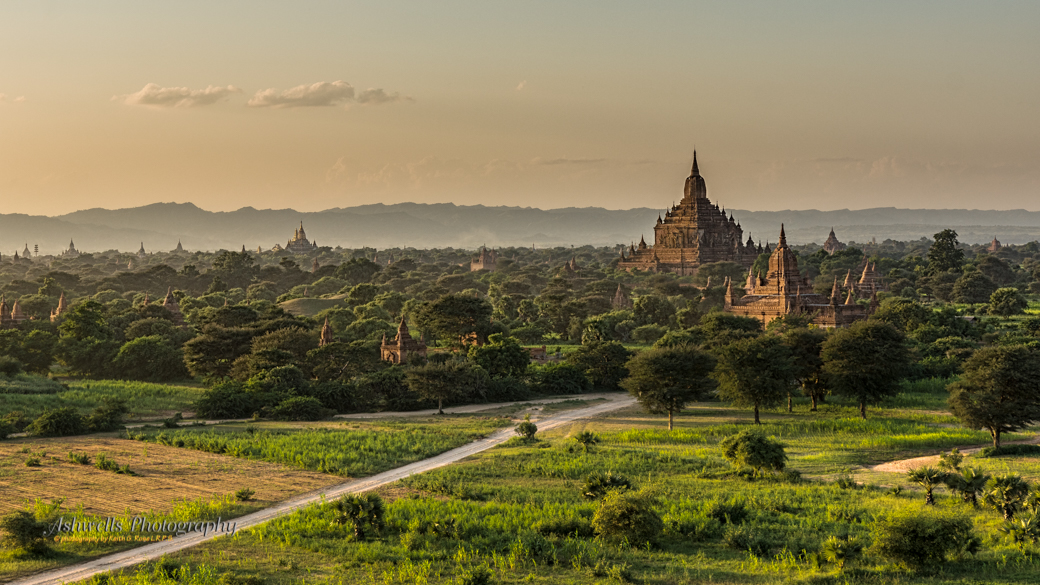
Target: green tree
1000 390
969 483
806 347
668 379
627 517
446 381
22 531
1007 302
973 287
454 318
865 362
603 362
928 478
1007 493
652 310
944 254
561 378
151 358
756 372
501 357
920 540
85 320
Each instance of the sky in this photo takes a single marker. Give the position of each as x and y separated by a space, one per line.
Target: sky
316 105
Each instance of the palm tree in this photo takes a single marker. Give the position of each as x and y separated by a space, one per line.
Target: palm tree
1007 493
360 511
951 461
928 478
969 483
586 439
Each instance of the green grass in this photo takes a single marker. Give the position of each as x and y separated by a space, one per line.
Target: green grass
518 511
348 449
144 399
309 307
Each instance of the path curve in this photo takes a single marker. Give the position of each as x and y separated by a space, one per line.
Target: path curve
905 465
148 552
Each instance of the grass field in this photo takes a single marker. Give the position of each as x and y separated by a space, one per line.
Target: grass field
309 307
145 400
517 510
351 449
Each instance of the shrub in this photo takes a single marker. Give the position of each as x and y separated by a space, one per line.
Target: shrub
107 416
244 495
754 450
562 527
928 478
726 512
475 576
627 516
526 429
80 458
301 408
562 378
1007 493
587 439
839 550
747 538
598 484
174 421
22 531
922 541
10 366
58 422
226 400
1009 450
361 512
32 461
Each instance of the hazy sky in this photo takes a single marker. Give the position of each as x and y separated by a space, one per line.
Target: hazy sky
313 105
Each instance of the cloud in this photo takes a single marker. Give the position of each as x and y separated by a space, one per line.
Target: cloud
322 94
521 85
17 100
155 96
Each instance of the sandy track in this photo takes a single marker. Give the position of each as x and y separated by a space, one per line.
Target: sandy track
904 465
148 552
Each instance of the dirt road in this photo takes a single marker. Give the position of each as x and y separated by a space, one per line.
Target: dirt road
156 550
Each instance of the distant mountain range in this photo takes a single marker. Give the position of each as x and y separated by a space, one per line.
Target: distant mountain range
159 226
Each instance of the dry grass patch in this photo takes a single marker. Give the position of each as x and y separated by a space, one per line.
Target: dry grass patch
162 475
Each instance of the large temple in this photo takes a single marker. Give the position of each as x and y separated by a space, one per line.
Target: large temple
784 291
299 244
692 233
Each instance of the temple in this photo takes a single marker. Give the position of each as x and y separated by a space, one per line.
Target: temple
326 334
299 244
832 244
485 261
403 346
72 252
993 246
783 291
692 233
171 305
61 309
13 316
620 300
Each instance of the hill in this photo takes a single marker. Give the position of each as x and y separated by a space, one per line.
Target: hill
159 226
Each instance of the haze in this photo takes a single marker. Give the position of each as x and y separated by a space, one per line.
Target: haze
313 105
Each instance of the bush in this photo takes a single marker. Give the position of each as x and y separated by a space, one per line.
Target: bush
244 495
726 512
301 408
23 532
627 516
80 458
526 429
107 416
587 440
755 450
58 422
1009 450
32 462
10 366
921 541
747 538
225 401
562 378
563 527
599 484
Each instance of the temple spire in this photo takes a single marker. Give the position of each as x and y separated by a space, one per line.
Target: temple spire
783 238
694 170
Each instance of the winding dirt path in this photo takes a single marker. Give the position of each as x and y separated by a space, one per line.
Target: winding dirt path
905 465
148 552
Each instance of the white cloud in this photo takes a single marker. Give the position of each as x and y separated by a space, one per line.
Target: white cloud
521 85
17 100
155 96
322 94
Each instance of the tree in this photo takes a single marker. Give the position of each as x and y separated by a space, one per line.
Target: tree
561 378
526 429
928 478
1000 390
1007 302
973 287
920 540
806 346
969 483
501 357
85 320
756 372
652 310
587 439
454 318
944 254
1007 493
445 381
212 354
603 362
151 358
865 362
667 379
755 450
903 314
57 422
599 484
